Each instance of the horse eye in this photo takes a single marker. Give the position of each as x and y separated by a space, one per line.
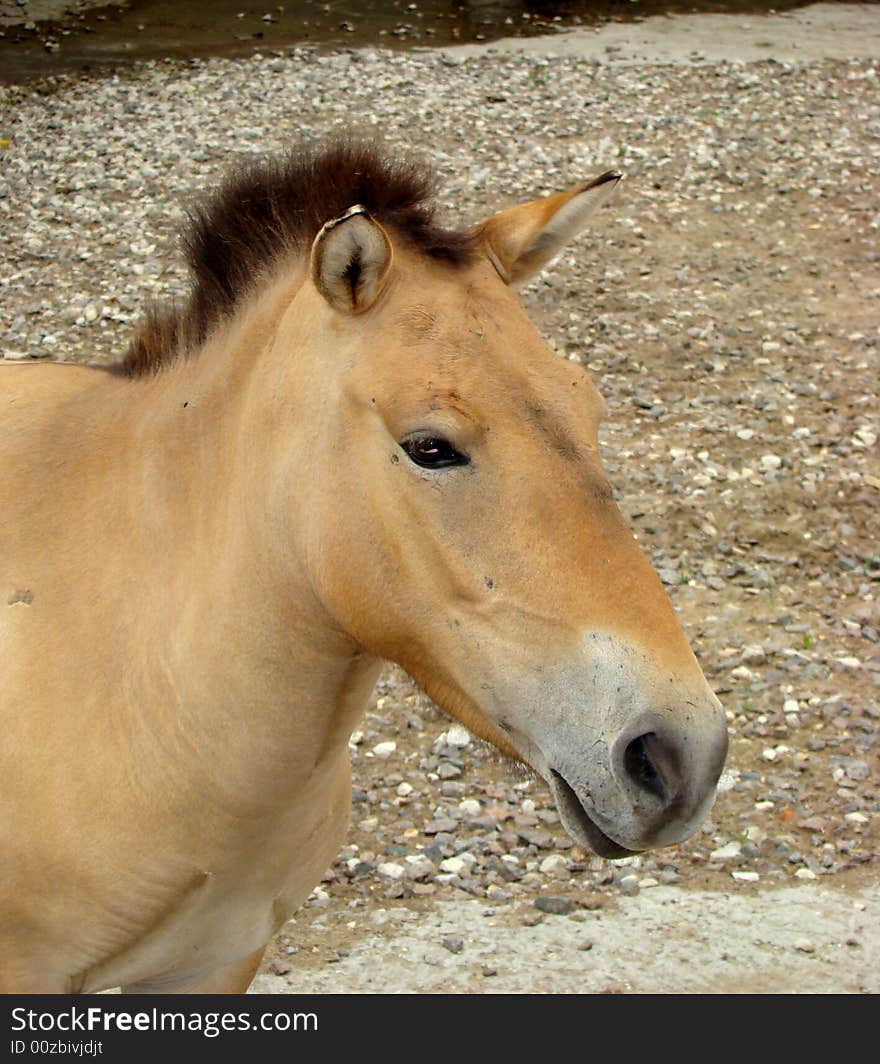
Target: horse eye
433 452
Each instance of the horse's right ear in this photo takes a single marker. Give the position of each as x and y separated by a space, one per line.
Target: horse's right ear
521 241
351 257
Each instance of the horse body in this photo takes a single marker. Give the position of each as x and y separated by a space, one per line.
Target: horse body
372 455
152 677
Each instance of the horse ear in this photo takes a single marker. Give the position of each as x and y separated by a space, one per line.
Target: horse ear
521 240
350 260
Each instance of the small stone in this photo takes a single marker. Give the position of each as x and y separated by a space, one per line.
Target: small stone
451 789
418 866
469 807
391 870
856 818
496 893
554 906
554 865
858 770
727 852
404 790
384 750
454 865
454 945
850 662
448 771
442 824
805 873
458 736
804 945
771 461
531 919
629 885
90 313
585 945
746 877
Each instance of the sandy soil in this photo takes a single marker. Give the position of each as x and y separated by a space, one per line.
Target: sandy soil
804 940
819 31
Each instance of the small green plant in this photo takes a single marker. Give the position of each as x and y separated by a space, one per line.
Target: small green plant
808 641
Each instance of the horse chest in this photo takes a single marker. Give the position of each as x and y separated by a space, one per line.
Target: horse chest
231 907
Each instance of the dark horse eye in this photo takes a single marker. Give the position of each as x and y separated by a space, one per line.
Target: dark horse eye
433 452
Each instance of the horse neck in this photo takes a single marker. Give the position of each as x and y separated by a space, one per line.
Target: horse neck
250 660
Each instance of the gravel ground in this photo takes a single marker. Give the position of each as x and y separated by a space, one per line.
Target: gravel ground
727 304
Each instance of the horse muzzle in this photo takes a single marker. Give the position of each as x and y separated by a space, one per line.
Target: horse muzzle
632 752
654 787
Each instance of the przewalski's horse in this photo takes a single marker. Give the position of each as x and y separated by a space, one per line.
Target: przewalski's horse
349 445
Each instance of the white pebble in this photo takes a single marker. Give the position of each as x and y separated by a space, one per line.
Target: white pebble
458 736
384 750
391 870
454 865
726 852
553 864
417 866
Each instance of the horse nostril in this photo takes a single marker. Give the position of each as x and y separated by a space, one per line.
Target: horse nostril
640 766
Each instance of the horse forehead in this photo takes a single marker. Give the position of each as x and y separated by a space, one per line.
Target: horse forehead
463 312
484 341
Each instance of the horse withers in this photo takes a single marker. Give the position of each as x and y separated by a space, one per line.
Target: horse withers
348 445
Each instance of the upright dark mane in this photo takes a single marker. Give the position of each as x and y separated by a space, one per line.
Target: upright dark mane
271 208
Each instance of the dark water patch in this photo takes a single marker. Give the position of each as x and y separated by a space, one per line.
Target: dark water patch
117 35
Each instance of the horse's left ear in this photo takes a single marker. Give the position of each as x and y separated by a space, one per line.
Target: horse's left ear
351 257
521 240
